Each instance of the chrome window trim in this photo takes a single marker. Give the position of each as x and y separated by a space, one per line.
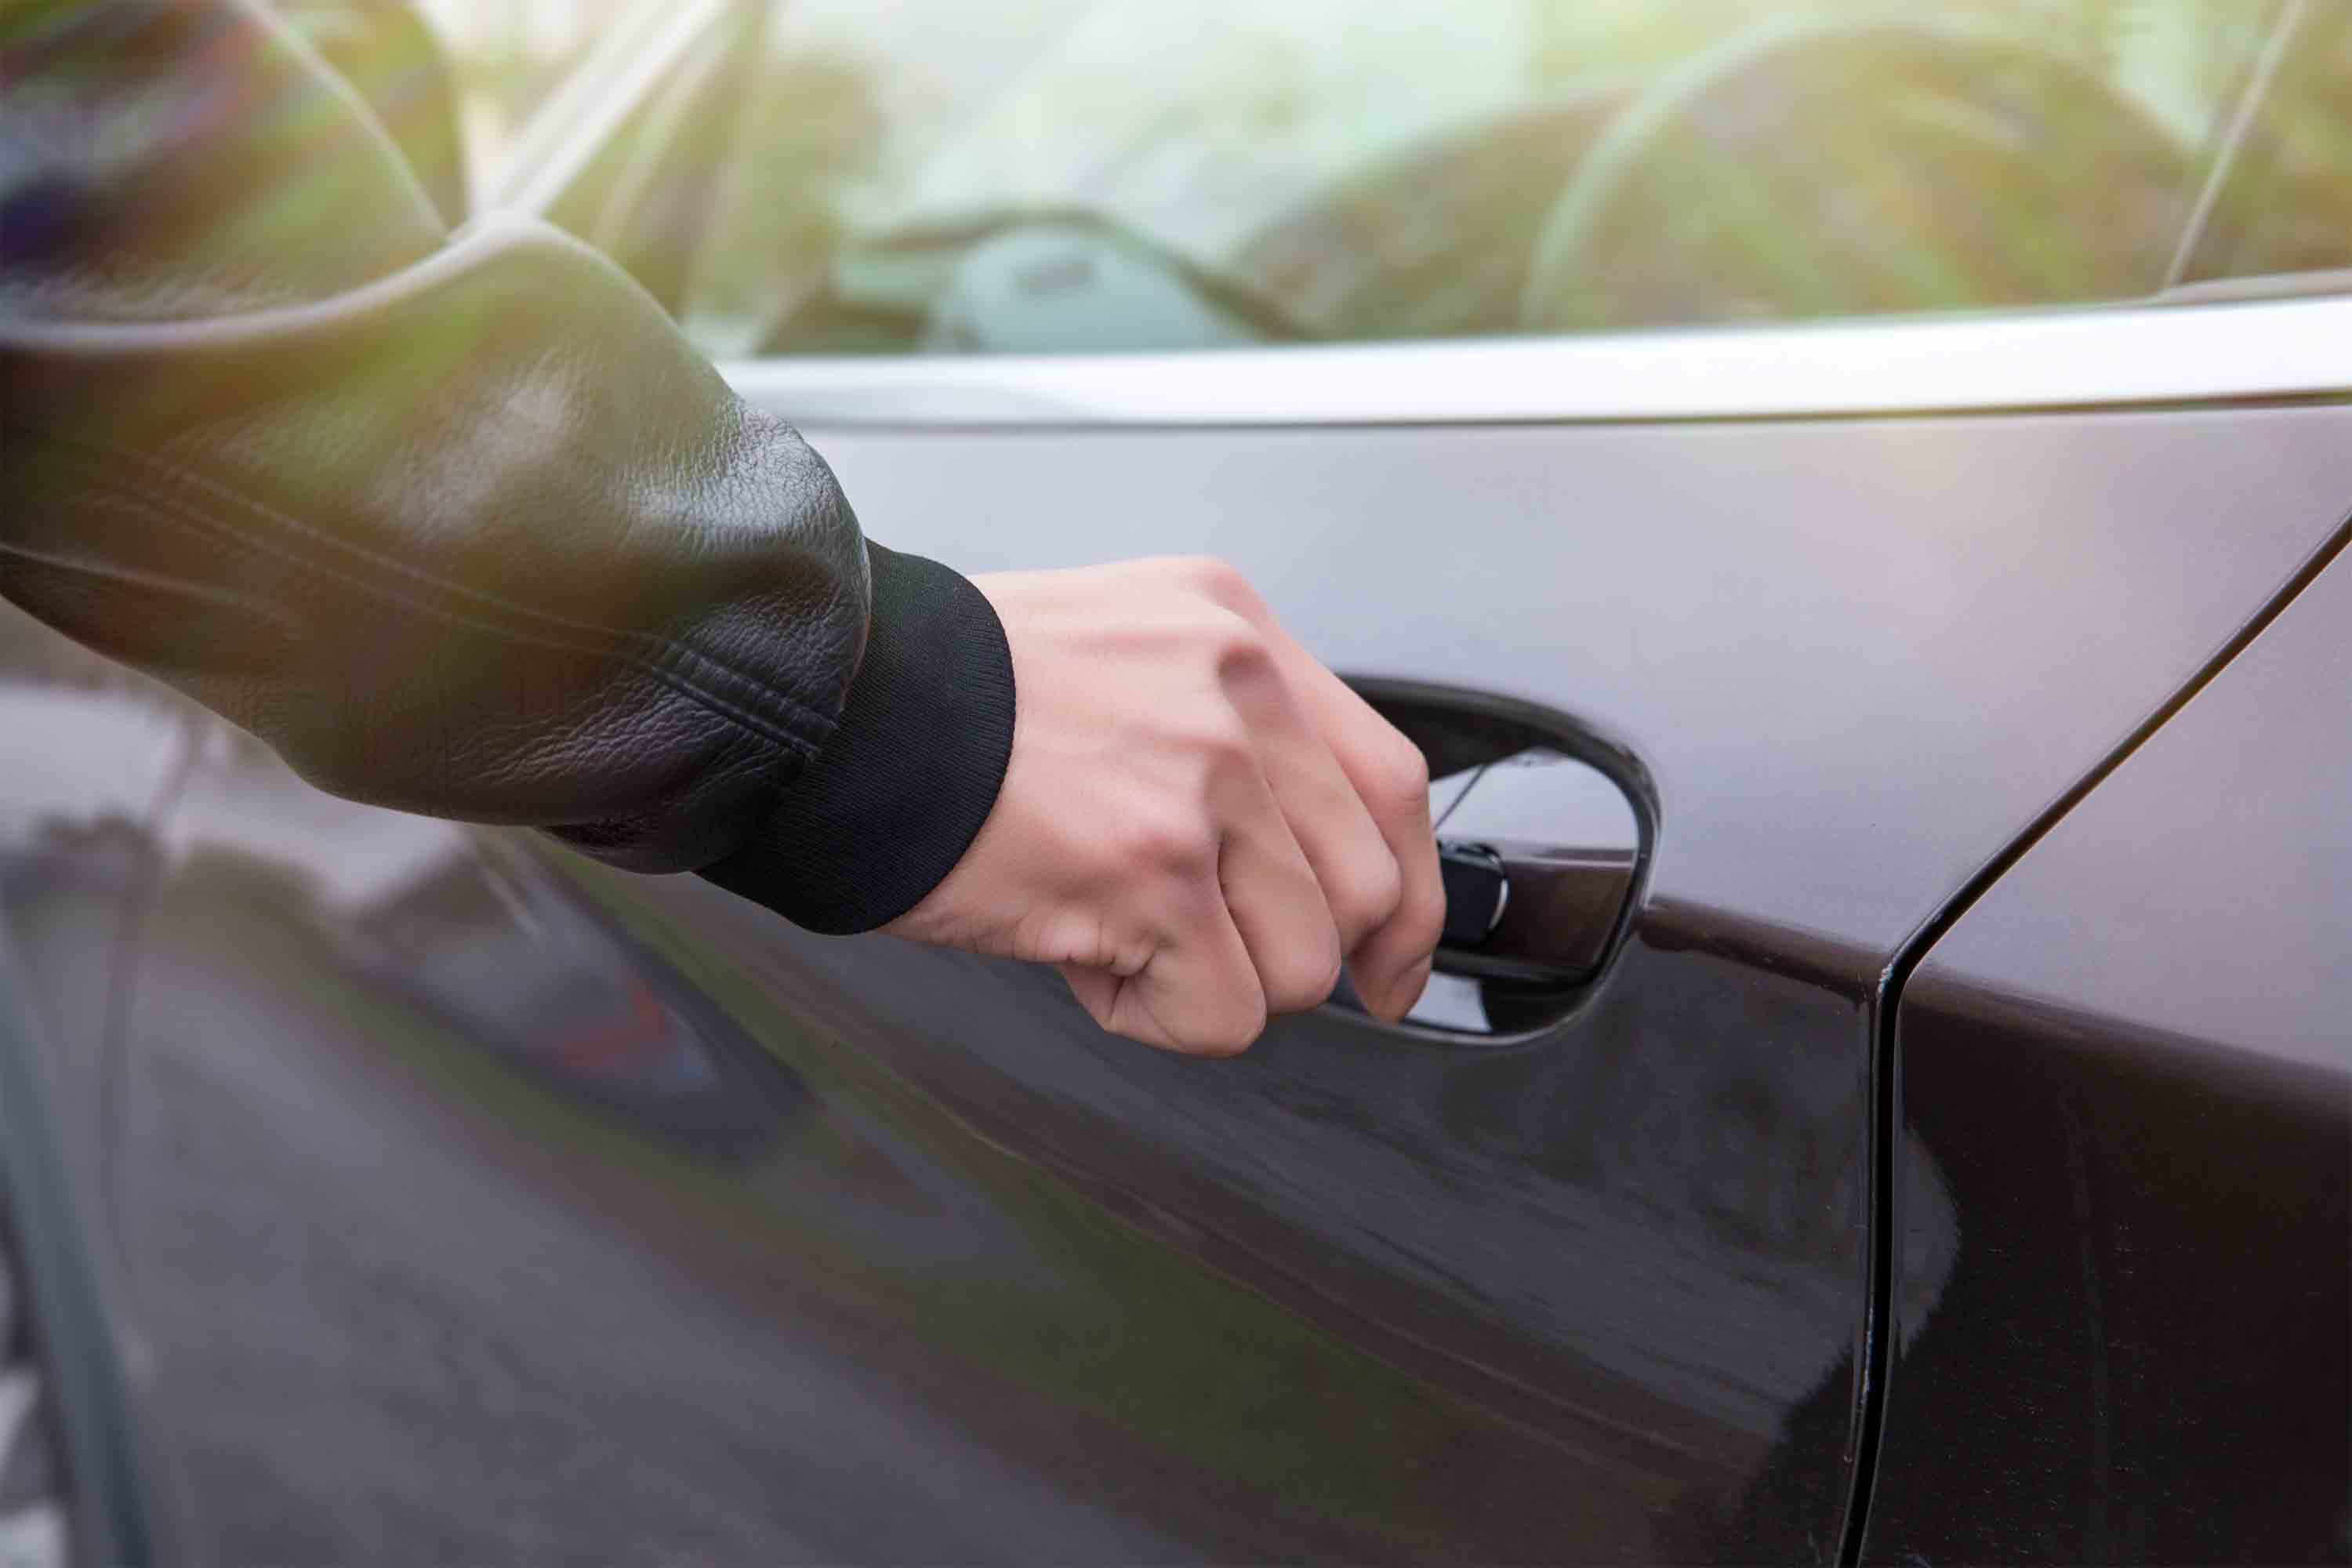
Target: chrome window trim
2110 356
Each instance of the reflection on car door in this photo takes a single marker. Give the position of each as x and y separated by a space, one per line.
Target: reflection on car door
482 1202
1633 1246
2130 1064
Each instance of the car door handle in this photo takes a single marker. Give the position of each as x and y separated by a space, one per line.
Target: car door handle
1541 832
1477 892
1540 915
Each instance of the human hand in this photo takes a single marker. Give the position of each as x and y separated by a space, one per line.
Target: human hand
1198 822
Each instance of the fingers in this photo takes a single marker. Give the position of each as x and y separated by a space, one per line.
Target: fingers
1257 938
1389 780
1197 992
1342 845
1276 903
1389 936
1198 824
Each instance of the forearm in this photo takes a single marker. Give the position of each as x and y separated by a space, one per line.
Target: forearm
463 527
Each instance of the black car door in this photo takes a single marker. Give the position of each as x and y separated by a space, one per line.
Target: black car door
471 1194
2129 1066
475 1202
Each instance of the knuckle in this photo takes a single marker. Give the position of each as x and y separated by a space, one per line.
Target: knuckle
1223 1013
1322 977
1401 775
1422 914
1238 651
1305 975
1180 845
1223 740
1228 1035
1370 897
1217 579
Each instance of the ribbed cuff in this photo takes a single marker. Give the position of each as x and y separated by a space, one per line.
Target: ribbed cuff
886 809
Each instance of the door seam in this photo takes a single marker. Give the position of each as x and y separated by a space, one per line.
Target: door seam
1884 1040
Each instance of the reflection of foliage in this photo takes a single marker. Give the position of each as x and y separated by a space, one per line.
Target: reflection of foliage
2202 45
1436 242
1066 1302
1821 169
2107 34
1791 169
2050 154
393 60
2290 208
510 79
1572 37
510 53
811 126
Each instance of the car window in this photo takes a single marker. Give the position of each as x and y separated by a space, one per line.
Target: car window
1074 176
509 58
2284 205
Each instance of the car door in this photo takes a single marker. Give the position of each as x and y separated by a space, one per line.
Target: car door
478 1202
2129 1065
90 758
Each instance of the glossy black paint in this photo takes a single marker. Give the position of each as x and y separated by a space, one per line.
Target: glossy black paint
433 1241
1831 645
2129 1066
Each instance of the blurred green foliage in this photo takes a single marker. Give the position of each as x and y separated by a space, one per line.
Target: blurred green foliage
810 128
1428 169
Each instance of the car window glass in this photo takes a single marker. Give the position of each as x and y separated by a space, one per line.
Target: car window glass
1071 176
509 58
2286 205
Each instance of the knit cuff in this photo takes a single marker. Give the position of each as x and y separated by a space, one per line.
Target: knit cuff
889 805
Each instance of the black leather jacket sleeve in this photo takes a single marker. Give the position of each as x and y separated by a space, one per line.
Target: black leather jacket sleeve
459 524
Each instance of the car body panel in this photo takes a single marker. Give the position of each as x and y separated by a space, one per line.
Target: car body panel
477 1200
89 756
453 1198
2145 1029
1852 619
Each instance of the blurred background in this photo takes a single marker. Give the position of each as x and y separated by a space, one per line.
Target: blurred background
1102 174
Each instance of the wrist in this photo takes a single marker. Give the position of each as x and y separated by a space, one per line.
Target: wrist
887 807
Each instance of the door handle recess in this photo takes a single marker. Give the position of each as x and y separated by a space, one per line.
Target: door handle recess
1541 832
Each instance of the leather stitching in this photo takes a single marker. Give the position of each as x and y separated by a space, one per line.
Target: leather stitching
214 528
160 580
218 529
666 653
665 648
